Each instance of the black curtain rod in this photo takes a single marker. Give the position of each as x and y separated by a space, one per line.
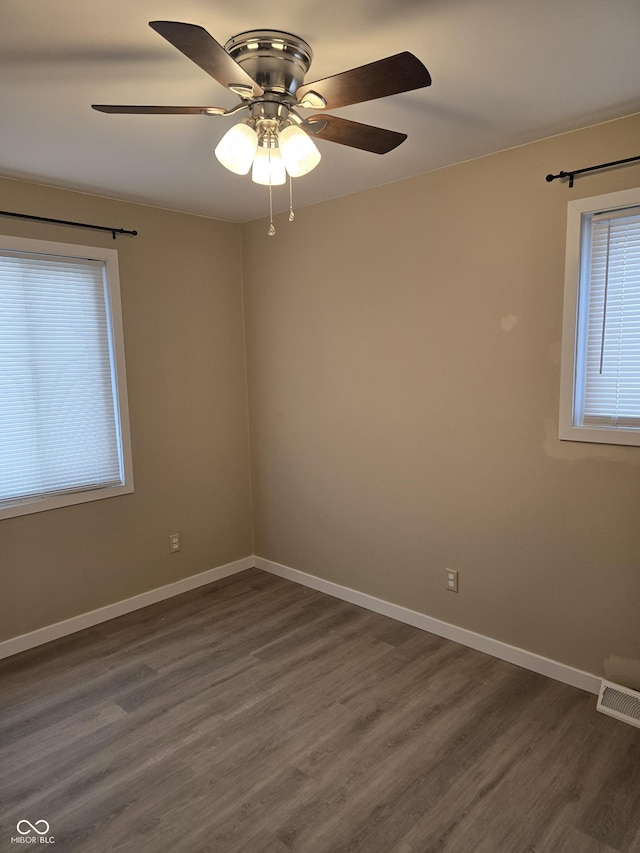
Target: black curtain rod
113 231
574 172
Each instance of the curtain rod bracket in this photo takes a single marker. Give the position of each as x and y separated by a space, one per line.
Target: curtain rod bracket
569 175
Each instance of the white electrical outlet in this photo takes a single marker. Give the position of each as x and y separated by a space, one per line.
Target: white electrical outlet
174 542
452 580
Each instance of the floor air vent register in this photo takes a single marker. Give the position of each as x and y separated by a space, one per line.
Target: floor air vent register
620 702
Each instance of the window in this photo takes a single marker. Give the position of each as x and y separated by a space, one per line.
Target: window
600 379
64 432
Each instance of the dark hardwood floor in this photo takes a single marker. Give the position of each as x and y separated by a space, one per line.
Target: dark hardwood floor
257 716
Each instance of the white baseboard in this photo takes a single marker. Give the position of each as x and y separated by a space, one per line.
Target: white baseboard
503 651
111 611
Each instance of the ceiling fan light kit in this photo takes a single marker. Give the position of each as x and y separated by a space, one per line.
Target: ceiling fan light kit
242 145
266 70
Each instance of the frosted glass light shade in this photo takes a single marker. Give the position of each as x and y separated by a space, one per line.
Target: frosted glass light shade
268 167
298 150
237 148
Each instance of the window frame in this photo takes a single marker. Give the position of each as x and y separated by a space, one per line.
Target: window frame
575 298
109 257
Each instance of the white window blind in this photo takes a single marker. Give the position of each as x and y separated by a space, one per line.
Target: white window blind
60 429
608 364
600 366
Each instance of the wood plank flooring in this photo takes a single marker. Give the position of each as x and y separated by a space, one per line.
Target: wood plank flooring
257 716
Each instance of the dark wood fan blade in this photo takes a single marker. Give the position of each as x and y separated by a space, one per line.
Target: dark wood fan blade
201 48
150 110
352 133
399 73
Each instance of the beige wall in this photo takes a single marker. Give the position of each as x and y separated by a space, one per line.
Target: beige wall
403 383
182 312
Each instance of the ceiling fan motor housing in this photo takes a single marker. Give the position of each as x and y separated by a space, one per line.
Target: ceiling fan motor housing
276 60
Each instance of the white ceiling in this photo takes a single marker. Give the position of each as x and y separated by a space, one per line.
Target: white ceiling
505 72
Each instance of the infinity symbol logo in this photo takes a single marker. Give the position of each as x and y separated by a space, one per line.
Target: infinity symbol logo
32 827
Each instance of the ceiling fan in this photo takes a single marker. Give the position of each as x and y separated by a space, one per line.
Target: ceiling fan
266 70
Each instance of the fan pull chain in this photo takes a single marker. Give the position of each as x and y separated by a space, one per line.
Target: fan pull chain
272 227
292 215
